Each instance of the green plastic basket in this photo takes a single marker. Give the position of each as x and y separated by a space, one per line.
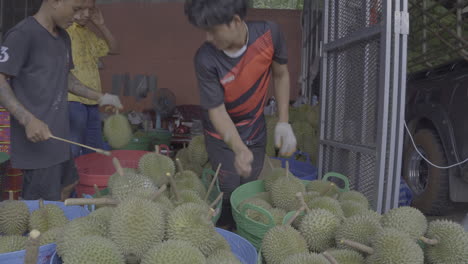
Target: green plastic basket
249 229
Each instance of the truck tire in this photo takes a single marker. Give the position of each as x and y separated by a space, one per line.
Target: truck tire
430 185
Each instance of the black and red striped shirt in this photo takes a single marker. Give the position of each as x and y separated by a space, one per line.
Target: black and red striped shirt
241 83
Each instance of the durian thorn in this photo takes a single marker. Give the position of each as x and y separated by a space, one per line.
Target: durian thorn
10 196
32 247
97 191
173 186
117 166
296 214
330 258
429 241
300 197
41 203
158 193
216 201
358 246
96 201
215 177
179 165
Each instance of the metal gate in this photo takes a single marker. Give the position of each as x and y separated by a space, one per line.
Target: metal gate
362 95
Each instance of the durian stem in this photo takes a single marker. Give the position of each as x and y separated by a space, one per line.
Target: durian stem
158 193
287 169
10 196
32 247
41 203
298 212
330 258
156 149
173 186
96 201
97 191
429 241
212 183
269 162
358 246
216 201
211 214
300 196
324 192
179 165
117 166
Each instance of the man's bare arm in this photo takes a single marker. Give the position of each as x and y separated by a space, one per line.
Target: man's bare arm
77 88
11 103
35 129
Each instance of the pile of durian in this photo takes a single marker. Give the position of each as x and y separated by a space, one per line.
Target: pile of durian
143 223
330 226
16 221
305 123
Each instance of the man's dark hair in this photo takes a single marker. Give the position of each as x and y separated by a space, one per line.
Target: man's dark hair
209 13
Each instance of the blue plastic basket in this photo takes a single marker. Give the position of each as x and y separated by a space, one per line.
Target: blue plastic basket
46 251
303 170
242 249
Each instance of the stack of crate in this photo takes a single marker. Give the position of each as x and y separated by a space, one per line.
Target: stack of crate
4 131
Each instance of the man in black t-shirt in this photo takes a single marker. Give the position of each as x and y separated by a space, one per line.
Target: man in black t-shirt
36 59
234 67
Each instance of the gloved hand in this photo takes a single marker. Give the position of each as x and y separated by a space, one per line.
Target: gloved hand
285 139
110 99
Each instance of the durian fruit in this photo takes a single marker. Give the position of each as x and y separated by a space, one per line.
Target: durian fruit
165 203
358 228
346 256
102 217
283 192
14 217
197 150
50 236
309 196
324 188
272 176
12 243
265 196
192 223
188 180
446 243
78 228
155 166
132 185
351 208
116 175
305 258
187 196
406 219
223 257
221 243
183 156
319 227
117 131
280 242
93 250
391 246
355 197
327 203
174 252
137 225
278 215
47 217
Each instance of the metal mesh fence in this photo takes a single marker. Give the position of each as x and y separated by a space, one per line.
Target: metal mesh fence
352 83
347 17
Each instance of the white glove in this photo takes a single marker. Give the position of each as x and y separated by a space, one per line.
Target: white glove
285 139
110 99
